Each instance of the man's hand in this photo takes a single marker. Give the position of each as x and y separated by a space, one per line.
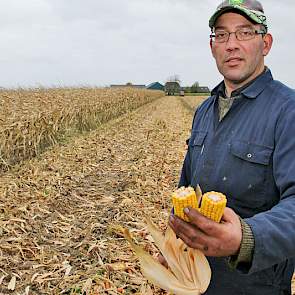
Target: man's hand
212 238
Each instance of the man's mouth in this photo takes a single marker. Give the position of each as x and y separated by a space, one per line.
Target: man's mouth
232 61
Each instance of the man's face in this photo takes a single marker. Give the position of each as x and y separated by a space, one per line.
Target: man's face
239 61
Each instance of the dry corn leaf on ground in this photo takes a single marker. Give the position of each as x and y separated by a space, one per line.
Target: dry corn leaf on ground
60 213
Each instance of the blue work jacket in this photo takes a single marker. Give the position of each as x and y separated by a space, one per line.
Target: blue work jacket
250 157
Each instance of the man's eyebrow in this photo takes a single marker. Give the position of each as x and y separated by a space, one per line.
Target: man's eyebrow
239 27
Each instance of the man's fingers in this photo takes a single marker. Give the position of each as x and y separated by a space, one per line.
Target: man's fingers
229 215
178 224
205 224
193 241
190 234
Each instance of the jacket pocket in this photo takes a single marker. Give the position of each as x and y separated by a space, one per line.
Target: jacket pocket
197 138
251 152
247 169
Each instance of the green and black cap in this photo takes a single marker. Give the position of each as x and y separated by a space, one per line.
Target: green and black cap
252 9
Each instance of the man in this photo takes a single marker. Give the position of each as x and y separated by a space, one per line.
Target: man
243 145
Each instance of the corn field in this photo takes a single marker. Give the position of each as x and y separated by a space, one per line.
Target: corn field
32 120
65 194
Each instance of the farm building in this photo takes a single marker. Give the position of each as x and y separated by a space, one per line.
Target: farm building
203 89
155 86
172 88
127 85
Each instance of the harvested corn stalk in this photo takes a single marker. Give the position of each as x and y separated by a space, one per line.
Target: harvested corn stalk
189 272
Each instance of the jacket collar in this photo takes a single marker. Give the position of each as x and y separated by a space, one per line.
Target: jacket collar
250 90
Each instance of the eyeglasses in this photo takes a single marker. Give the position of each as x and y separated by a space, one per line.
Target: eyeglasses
243 34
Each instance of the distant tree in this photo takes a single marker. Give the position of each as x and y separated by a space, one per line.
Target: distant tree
187 89
174 78
195 87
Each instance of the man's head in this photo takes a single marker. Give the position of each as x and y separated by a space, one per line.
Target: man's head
239 40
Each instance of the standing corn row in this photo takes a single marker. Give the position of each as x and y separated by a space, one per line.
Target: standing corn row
213 204
184 197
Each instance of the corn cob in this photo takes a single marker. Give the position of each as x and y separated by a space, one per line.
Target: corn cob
213 204
184 197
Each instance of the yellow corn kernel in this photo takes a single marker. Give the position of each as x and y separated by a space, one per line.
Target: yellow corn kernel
213 204
184 197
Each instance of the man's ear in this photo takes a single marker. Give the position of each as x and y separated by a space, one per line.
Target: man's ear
267 44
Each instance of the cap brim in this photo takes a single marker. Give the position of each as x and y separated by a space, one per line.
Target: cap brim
238 8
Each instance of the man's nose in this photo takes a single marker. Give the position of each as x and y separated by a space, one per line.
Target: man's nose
232 41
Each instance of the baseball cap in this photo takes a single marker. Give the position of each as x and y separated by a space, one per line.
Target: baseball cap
252 9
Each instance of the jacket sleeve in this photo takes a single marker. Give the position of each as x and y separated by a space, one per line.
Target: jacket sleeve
274 230
244 257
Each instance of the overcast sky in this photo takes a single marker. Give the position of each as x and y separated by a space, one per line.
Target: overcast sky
102 42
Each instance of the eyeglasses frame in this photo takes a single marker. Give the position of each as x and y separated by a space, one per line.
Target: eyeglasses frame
255 31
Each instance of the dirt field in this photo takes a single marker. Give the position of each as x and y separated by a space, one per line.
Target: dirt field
61 213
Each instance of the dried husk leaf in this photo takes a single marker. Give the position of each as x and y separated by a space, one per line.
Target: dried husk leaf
189 271
169 251
198 194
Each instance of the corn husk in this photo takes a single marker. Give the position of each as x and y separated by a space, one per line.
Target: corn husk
189 272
